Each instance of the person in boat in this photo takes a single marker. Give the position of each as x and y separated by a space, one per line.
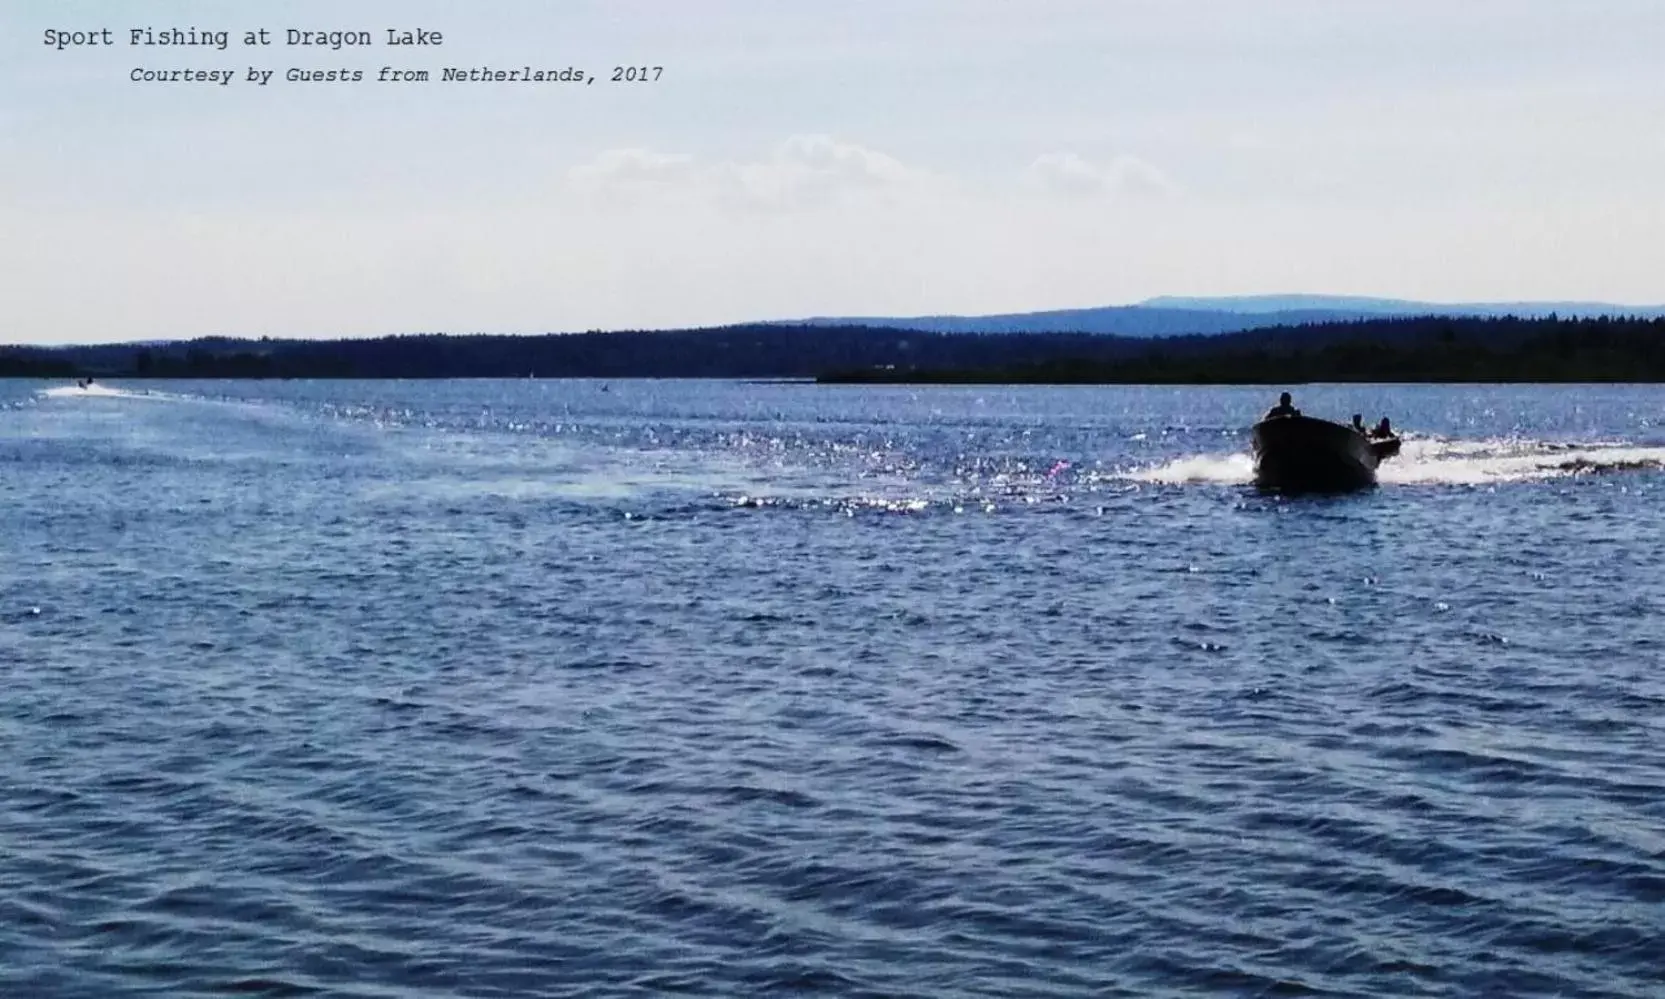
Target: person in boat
1283 408
1358 422
1383 429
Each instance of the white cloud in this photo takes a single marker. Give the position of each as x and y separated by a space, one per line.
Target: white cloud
1068 175
632 166
627 176
803 172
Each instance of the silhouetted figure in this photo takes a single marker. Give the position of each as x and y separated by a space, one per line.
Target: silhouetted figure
1283 408
1358 422
1383 429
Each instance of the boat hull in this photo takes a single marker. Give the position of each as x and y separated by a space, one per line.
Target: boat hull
1304 454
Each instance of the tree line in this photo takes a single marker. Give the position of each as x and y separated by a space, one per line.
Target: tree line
1413 349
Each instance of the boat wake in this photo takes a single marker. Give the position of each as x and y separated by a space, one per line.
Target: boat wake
1439 461
1225 469
1434 461
1049 485
101 392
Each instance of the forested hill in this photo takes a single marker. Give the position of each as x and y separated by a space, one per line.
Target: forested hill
1170 316
1385 350
1408 349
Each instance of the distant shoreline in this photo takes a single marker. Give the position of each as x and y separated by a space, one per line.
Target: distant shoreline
994 378
1429 349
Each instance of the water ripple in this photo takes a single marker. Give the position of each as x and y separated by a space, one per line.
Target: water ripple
490 689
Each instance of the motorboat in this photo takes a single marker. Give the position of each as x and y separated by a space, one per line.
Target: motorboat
1305 454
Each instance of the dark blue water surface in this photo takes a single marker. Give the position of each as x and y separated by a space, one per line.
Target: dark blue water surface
560 688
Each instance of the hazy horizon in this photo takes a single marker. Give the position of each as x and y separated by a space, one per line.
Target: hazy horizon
905 158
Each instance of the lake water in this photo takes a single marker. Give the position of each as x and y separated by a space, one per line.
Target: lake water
541 688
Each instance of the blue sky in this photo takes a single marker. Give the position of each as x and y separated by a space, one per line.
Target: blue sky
795 159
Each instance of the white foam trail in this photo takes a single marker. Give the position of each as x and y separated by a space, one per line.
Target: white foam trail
1469 463
1222 468
1436 461
102 391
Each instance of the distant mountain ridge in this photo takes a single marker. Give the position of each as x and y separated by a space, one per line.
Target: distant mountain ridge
1259 304
1117 320
1179 316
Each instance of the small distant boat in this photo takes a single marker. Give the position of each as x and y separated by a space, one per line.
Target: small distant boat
1306 454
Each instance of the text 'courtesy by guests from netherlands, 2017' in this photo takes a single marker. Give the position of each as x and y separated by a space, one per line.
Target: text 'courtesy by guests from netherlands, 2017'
192 55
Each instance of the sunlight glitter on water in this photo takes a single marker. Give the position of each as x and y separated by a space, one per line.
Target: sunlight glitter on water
732 689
